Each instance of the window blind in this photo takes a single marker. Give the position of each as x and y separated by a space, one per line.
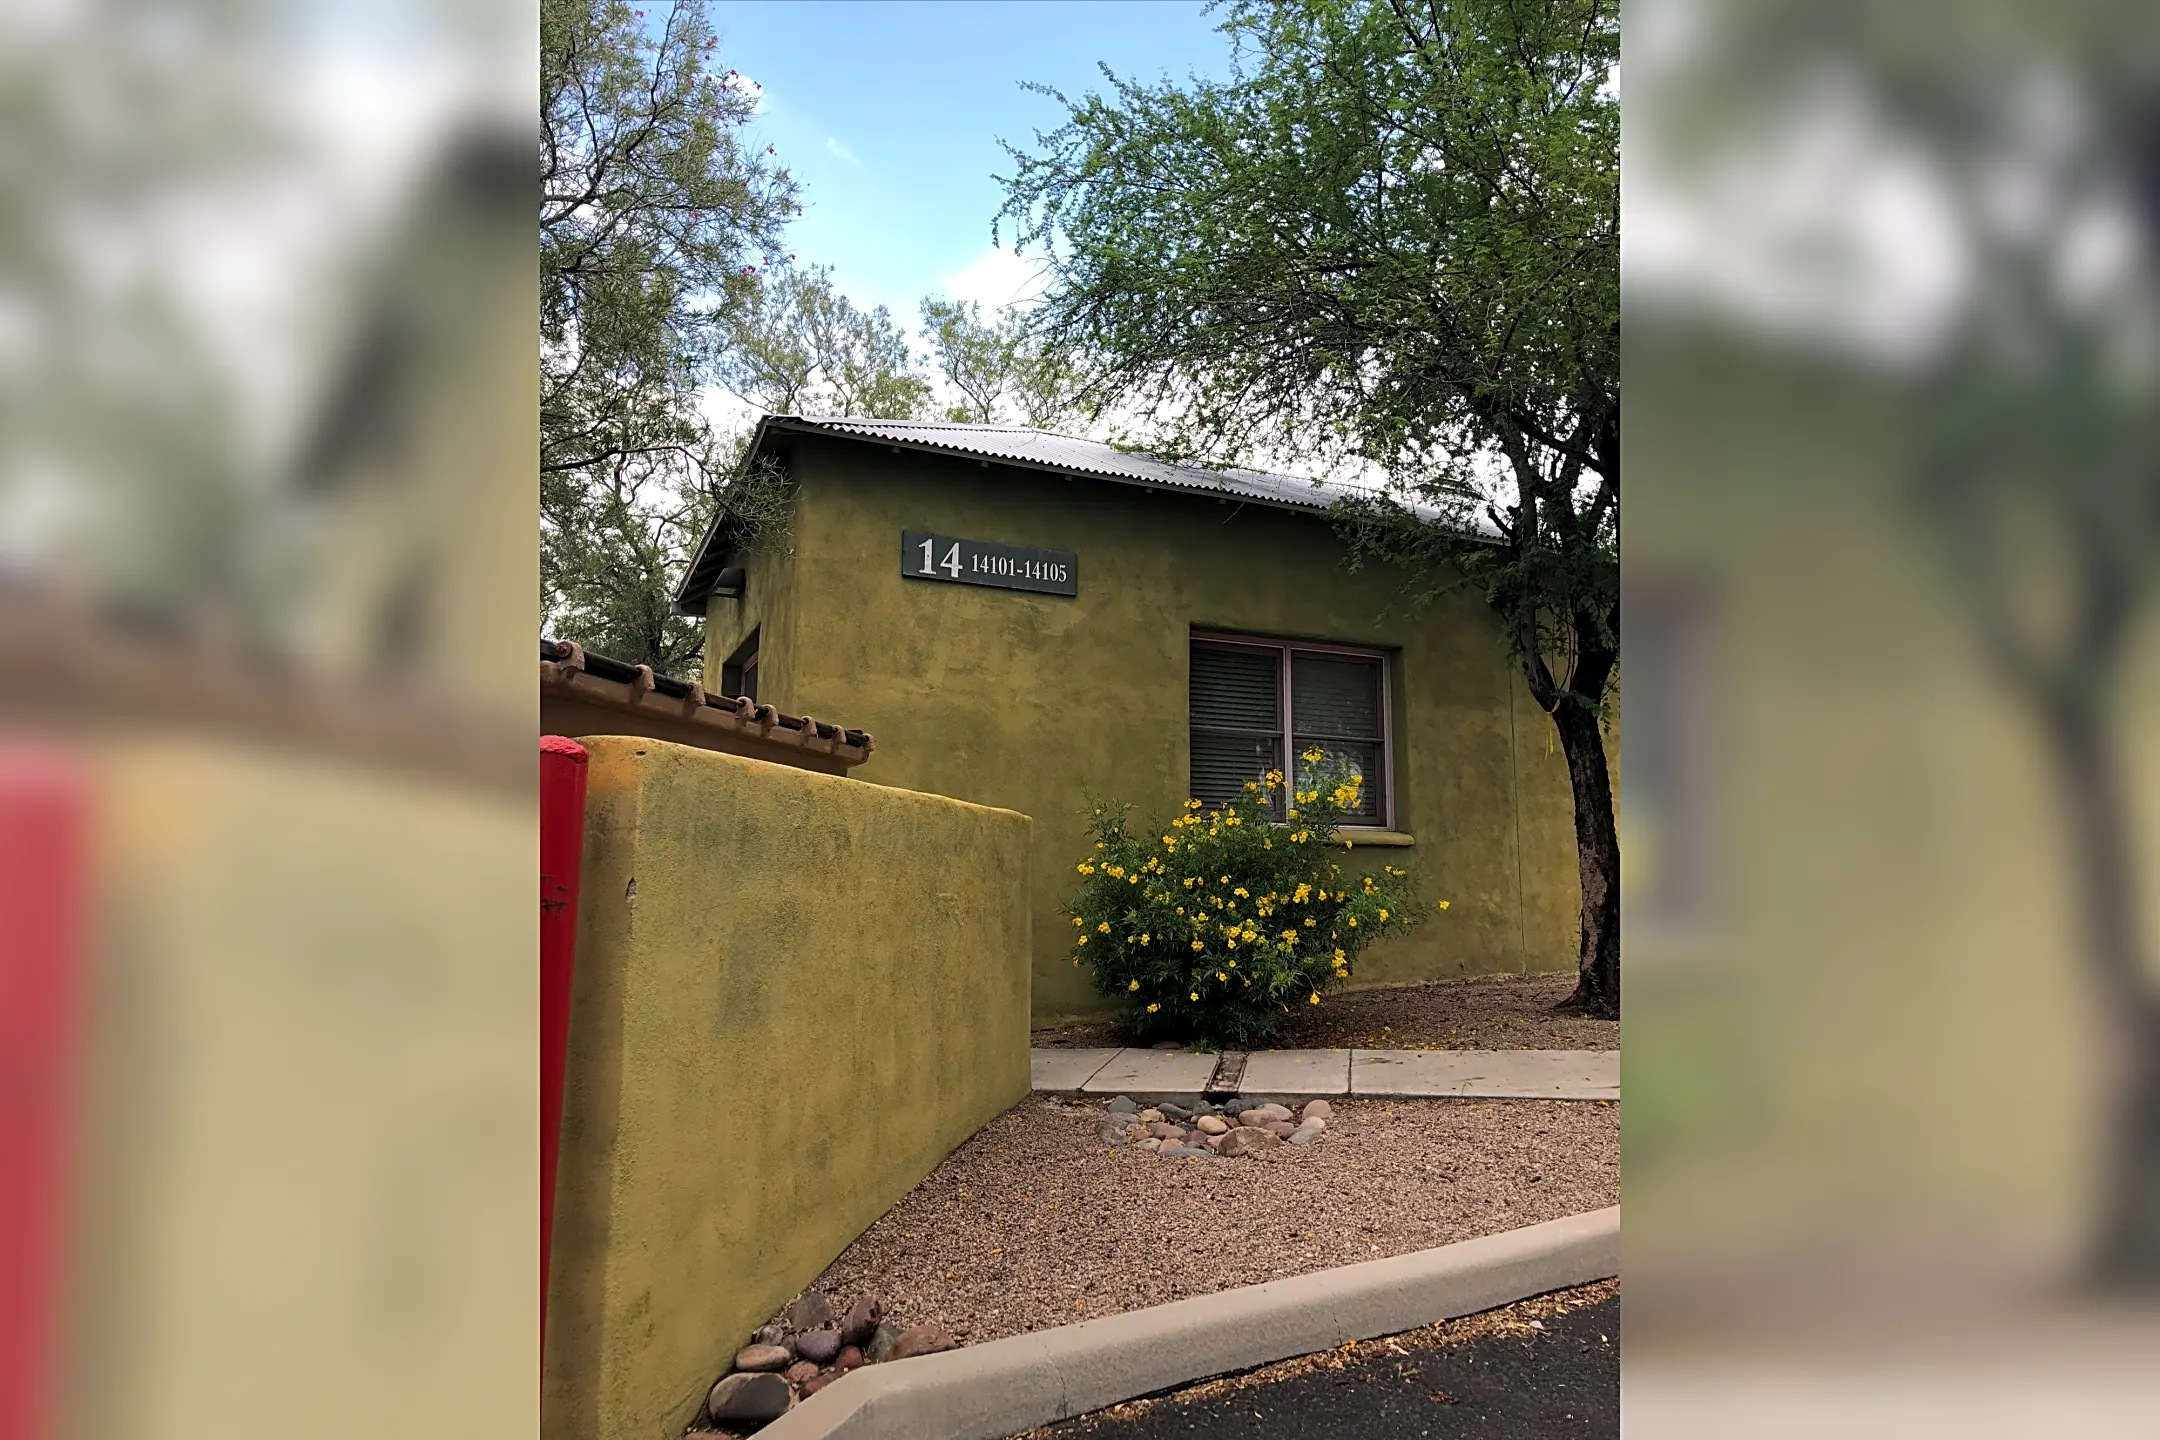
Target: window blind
1237 729
1335 705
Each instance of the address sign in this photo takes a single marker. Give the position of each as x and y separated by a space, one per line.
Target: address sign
925 556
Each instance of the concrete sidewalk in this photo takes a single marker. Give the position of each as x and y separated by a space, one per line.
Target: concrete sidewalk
1178 1075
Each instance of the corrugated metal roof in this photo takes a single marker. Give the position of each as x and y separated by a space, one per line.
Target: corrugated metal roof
1036 450
1043 450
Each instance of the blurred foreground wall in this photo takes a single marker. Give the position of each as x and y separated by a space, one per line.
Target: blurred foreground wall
795 994
1892 625
307 1131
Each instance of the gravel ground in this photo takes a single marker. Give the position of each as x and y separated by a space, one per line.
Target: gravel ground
1033 1222
1484 1012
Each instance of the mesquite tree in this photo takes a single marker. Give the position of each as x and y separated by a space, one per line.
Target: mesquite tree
1391 235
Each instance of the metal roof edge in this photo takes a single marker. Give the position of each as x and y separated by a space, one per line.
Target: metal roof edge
689 604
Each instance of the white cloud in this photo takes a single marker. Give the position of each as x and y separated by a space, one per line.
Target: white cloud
997 279
843 152
744 85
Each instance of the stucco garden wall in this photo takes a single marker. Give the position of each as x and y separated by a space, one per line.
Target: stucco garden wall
795 993
1032 701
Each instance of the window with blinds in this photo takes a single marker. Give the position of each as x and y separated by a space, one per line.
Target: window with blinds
1256 703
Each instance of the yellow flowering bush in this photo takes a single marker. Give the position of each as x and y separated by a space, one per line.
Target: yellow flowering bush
1213 924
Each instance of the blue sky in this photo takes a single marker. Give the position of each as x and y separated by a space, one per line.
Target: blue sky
889 115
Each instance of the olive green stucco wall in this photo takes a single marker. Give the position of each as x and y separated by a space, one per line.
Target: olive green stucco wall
795 994
1032 702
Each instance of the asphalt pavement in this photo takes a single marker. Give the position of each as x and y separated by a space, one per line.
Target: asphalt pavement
1563 1382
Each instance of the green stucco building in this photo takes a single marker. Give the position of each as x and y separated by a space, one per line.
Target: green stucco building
1028 621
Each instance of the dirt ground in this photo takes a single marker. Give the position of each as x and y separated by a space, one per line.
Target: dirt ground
1485 1012
1034 1222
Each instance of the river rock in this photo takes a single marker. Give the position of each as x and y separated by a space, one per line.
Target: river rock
1276 1112
763 1357
1282 1129
1247 1140
1150 1115
881 1343
861 1322
749 1399
848 1359
818 1345
811 1311
1123 1105
1212 1125
1316 1110
920 1340
1161 1129
818 1382
773 1334
800 1371
1174 1112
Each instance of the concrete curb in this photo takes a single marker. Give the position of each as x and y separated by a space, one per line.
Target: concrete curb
992 1391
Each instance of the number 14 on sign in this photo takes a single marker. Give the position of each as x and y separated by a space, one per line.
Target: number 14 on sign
950 564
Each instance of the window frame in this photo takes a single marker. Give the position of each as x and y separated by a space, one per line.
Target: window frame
744 659
1286 650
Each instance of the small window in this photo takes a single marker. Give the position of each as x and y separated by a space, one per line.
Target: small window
738 673
1256 703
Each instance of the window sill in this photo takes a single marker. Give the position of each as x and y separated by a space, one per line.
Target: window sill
1375 837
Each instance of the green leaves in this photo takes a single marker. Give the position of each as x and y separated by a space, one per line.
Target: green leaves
1001 370
1209 924
1384 234
803 348
655 217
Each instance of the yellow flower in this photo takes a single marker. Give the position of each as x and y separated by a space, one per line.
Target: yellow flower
1315 998
1134 986
1232 942
1443 904
1242 893
1080 922
1233 964
1310 922
1153 1008
1145 936
1383 914
1083 941
1290 936
1340 957
1353 922
1194 996
1104 927
1220 976
1199 945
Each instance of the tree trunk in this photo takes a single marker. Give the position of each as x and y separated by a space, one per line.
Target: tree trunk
2126 1252
1597 853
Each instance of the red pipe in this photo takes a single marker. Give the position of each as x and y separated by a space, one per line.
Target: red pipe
43 854
562 841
